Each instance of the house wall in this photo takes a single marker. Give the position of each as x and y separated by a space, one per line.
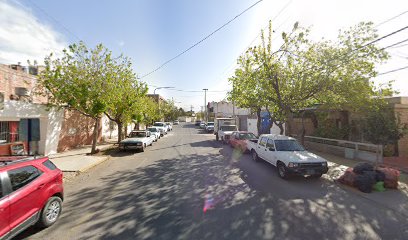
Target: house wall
253 128
109 128
76 131
50 122
400 106
12 78
226 109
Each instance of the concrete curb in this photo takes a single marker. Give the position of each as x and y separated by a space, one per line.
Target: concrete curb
84 169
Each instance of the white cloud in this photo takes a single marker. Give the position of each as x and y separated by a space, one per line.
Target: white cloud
23 37
121 43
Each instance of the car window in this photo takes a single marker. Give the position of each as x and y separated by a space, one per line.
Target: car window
246 136
269 144
137 134
263 141
20 177
152 129
228 128
158 124
288 145
49 165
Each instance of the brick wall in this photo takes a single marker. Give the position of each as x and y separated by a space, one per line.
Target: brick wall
12 78
76 131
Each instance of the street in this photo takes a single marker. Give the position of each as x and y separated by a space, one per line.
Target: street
188 186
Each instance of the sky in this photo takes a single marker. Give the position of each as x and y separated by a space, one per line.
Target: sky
151 32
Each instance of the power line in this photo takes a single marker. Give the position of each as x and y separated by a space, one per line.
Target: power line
55 20
390 19
395 70
202 40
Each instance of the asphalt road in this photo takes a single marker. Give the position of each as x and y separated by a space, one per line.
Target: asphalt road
188 186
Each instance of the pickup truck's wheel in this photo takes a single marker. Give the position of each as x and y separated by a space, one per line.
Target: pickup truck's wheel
51 212
143 148
282 170
151 144
254 156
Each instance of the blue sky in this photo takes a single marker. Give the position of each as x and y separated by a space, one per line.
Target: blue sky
153 31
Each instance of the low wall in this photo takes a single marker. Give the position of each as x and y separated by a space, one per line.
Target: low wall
346 149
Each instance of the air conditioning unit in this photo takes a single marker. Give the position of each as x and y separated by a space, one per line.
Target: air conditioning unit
20 91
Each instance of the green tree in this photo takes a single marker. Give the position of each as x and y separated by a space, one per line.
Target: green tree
80 80
302 72
382 125
126 92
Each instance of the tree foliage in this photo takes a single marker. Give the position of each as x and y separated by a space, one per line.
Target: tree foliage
92 82
302 72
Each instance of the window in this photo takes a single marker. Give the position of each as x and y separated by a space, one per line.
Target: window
270 144
49 165
288 145
263 142
9 131
22 176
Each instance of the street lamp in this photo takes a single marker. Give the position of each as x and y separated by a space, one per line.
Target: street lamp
205 104
154 91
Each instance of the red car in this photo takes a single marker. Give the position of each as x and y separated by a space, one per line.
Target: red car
31 192
239 140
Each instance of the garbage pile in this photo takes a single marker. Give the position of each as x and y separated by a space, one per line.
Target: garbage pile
366 177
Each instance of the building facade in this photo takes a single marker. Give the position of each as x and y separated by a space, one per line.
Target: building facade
54 129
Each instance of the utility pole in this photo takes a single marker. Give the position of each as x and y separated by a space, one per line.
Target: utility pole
205 104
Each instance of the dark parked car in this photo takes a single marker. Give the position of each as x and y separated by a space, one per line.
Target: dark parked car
31 192
197 122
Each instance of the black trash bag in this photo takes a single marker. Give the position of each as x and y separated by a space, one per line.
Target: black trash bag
360 168
379 176
365 182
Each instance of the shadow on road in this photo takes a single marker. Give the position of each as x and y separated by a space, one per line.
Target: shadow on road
244 200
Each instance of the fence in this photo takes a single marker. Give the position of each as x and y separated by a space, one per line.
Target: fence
346 149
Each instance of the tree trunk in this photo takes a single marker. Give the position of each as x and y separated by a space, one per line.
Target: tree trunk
95 135
120 128
303 132
280 125
258 122
126 130
289 115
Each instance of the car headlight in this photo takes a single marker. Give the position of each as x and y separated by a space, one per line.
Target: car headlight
139 143
292 165
324 164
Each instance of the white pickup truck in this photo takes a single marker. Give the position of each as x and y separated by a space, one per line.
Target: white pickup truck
288 155
137 140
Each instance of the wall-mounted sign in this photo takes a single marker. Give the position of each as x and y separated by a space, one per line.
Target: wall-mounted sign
17 149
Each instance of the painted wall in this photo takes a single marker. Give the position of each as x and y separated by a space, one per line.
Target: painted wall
50 122
252 127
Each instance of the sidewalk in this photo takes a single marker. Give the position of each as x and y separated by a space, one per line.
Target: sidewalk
394 199
77 160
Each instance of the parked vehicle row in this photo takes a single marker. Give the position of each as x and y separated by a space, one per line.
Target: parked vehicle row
31 193
141 139
285 153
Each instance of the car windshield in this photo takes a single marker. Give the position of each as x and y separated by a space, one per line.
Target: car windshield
210 124
288 145
158 124
137 134
152 129
246 136
228 128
